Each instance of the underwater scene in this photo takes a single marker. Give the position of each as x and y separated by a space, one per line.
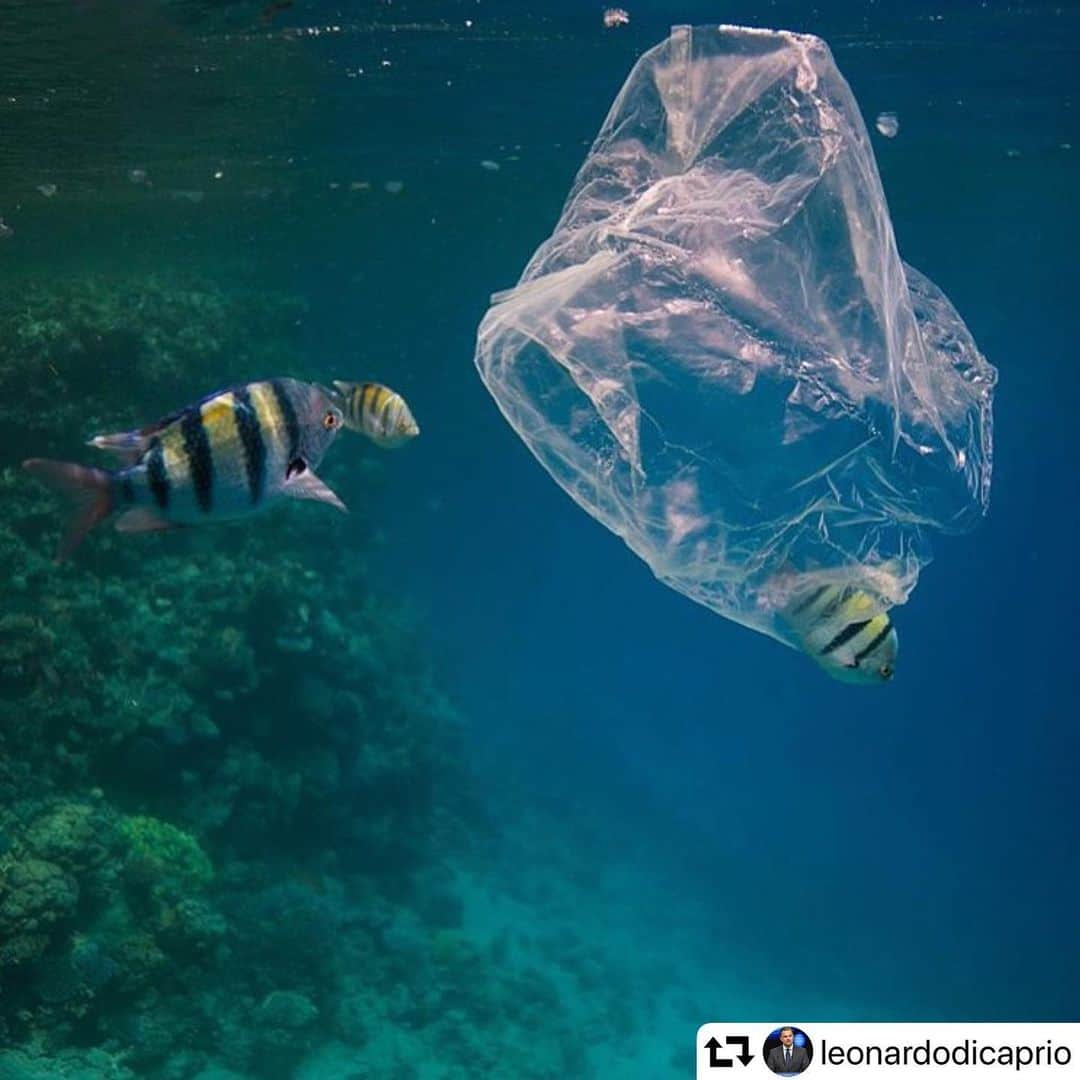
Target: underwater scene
336 741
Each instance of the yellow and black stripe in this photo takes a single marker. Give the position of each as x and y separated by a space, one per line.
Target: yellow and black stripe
273 428
289 419
364 403
157 475
249 428
880 627
367 407
376 411
846 630
185 455
221 456
200 458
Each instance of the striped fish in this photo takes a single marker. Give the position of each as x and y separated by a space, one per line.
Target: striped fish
845 630
377 412
224 457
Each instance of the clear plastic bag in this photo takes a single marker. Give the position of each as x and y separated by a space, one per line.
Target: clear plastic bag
718 352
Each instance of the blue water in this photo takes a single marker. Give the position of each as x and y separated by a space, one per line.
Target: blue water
910 846
753 838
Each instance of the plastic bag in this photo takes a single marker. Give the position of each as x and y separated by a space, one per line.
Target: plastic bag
718 352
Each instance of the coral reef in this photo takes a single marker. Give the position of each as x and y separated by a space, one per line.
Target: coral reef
234 809
93 352
164 860
35 896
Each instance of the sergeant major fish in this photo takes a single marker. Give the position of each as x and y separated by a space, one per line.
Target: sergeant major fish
224 457
845 631
377 412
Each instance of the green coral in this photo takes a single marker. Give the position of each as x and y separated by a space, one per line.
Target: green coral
80 837
164 858
35 895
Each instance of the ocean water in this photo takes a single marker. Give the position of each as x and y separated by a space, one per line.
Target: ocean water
539 815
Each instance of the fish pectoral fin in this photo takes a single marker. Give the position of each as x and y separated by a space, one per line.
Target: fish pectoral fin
302 483
142 520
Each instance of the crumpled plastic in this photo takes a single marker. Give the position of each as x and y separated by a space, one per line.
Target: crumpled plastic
719 354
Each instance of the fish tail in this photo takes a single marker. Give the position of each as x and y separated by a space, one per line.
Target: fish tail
91 492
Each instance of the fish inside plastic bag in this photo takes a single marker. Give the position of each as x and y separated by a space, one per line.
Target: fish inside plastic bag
719 354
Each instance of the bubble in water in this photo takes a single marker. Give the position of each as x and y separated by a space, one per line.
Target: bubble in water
394 187
888 123
491 166
137 176
48 190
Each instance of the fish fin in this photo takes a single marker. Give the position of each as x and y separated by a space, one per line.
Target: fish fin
140 519
128 446
91 492
135 442
302 483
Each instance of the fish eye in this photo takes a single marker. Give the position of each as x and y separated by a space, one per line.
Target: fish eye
885 671
330 420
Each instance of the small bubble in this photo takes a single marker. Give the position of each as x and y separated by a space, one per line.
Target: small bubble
394 187
48 190
137 176
491 166
888 123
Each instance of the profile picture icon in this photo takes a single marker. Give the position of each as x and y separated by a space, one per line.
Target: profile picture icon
788 1051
